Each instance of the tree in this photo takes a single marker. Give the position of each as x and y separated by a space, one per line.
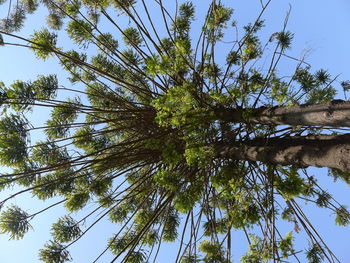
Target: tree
172 142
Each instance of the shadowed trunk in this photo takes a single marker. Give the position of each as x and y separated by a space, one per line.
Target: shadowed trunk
331 151
335 113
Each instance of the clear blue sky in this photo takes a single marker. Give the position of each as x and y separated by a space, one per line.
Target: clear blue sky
321 27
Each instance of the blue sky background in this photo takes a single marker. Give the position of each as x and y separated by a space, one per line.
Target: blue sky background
322 30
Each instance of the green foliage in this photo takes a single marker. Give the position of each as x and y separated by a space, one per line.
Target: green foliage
345 85
322 95
322 76
72 8
54 253
171 154
233 58
213 252
15 222
151 238
337 174
61 117
170 225
286 245
29 170
216 226
49 153
181 26
13 150
132 37
187 10
220 16
252 48
54 21
119 213
161 136
11 124
323 199
83 138
52 184
198 155
285 39
244 213
96 3
119 244
107 43
66 229
13 141
124 4
17 17
291 186
280 91
71 64
80 32
287 214
30 5
317 86
45 87
136 257
315 254
43 43
177 107
258 251
188 196
23 91
167 179
77 201
189 259
229 179
305 79
342 216
25 94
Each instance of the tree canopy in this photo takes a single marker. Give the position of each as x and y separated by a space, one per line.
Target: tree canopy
178 134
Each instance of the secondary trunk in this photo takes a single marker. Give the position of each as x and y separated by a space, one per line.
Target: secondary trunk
331 151
335 113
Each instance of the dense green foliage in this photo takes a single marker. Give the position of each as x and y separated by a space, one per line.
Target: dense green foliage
139 140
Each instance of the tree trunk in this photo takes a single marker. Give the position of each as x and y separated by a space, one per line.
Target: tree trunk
331 151
335 113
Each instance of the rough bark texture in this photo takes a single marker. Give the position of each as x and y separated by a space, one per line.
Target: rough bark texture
335 113
331 151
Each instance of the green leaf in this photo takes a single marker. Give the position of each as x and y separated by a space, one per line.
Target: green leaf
66 229
77 201
285 39
132 37
54 21
54 253
15 222
315 254
342 216
80 32
43 43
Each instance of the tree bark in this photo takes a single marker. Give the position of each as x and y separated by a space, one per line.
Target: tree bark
335 114
331 151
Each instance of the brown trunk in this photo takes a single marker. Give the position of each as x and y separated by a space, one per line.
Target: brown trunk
331 151
335 113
